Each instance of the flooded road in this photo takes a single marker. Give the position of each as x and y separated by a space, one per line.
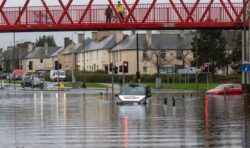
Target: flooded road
75 120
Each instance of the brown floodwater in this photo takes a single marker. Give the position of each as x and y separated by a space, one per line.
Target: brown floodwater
74 120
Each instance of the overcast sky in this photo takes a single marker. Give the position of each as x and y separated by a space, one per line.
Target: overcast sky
7 38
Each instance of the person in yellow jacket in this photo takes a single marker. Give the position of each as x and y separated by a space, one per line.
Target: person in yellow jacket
121 9
61 85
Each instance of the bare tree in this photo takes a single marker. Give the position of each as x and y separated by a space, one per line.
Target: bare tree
158 59
184 55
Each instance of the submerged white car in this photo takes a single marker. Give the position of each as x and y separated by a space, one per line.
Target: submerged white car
133 93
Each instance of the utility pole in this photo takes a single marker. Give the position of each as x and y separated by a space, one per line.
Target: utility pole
113 59
72 54
244 74
137 59
84 44
14 58
196 61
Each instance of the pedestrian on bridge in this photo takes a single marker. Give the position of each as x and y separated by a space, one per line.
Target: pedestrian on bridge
120 9
109 14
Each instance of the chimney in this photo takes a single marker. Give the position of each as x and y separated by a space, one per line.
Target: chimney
67 41
118 36
149 38
182 34
30 47
133 32
94 36
46 48
80 38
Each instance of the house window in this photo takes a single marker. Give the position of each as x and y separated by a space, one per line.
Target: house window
145 69
30 65
41 60
145 55
116 57
97 54
106 68
120 56
179 54
163 54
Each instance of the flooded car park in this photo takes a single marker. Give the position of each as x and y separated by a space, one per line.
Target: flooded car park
77 119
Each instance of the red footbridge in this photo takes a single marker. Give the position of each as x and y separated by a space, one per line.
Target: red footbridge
173 14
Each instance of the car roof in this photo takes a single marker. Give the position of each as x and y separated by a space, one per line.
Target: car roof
135 85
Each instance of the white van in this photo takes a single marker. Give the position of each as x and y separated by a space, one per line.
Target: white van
54 75
133 93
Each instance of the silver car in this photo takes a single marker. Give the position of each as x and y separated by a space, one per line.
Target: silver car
134 93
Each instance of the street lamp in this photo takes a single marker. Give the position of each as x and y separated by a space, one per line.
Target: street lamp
137 59
72 56
84 44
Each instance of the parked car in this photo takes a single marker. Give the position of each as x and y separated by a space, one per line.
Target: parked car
134 93
4 76
228 89
18 74
31 81
57 74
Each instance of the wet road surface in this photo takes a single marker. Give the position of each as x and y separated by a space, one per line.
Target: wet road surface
36 119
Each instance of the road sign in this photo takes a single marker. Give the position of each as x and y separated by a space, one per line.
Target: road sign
245 67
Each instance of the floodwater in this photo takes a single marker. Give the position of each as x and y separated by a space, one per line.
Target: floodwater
74 120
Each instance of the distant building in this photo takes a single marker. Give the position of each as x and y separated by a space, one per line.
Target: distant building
175 48
39 59
93 54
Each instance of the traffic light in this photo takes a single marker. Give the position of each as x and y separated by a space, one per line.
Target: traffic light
56 65
111 67
120 68
125 64
115 69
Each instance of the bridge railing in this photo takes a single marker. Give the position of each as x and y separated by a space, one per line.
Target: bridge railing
160 13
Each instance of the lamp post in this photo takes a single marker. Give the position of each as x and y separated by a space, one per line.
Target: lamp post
14 58
137 59
244 74
84 44
72 56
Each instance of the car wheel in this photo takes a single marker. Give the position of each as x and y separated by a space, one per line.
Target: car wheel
41 86
119 103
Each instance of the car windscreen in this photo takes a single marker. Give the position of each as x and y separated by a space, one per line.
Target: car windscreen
221 87
61 73
19 73
133 90
228 86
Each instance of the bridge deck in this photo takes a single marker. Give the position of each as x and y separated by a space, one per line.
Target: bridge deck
138 16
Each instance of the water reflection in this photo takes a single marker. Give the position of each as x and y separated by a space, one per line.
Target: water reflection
62 119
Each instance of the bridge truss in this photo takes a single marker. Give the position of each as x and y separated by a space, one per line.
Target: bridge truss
174 14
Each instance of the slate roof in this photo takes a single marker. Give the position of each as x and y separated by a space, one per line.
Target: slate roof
159 41
39 52
106 43
80 47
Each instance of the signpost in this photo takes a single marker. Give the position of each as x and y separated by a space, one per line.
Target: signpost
245 67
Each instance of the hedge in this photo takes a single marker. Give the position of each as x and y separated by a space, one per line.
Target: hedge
103 77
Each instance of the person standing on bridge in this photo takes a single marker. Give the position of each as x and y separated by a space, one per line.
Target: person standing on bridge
109 14
120 9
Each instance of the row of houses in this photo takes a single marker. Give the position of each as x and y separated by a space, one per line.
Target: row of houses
97 52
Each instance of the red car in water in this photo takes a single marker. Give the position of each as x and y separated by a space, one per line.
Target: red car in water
228 89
